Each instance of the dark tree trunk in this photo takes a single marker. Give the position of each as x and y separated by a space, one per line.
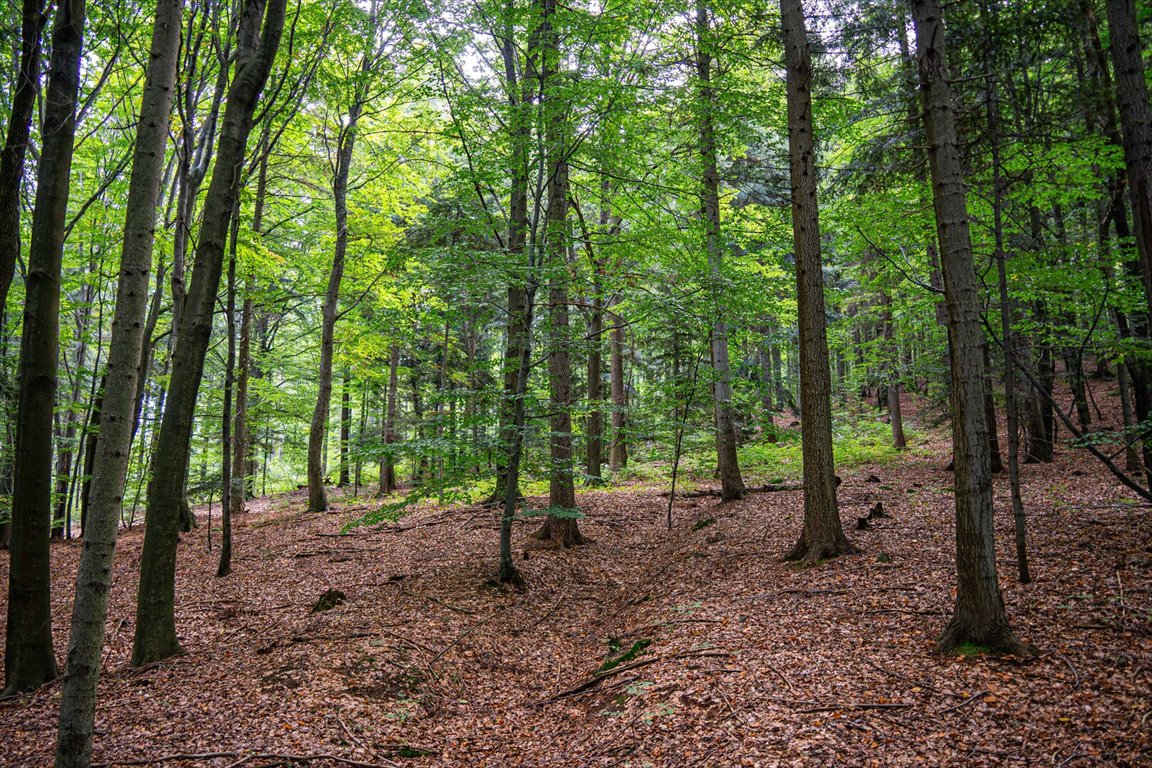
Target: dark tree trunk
594 428
996 463
29 659
155 636
979 617
12 154
618 448
388 426
822 536
563 530
345 427
225 565
895 415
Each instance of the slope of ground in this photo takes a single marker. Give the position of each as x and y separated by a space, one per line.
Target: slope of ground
737 659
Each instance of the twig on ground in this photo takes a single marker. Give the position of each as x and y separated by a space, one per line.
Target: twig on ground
964 703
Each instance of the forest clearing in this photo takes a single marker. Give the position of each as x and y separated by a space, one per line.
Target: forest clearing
746 660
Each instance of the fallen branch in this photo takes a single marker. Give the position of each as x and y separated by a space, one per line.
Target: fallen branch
964 703
851 706
597 678
246 758
705 492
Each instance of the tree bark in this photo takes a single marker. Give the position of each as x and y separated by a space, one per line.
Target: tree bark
29 659
118 406
317 495
15 147
345 426
224 566
387 462
618 448
562 530
823 535
727 462
979 617
155 636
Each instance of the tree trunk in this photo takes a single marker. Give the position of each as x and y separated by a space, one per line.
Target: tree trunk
979 617
118 405
899 442
155 636
317 436
242 473
563 530
727 462
225 565
387 462
594 427
996 464
618 449
822 536
1136 125
29 659
345 427
12 154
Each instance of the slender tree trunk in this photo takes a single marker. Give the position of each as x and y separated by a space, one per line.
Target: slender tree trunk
892 354
979 616
999 192
242 473
225 565
996 464
317 495
12 154
387 462
345 426
822 536
594 427
155 636
118 405
618 449
727 462
29 659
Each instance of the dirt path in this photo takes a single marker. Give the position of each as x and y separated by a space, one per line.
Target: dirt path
748 661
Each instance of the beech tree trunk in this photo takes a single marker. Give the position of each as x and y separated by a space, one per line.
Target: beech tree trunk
727 462
11 180
118 406
155 636
317 495
979 616
29 659
823 535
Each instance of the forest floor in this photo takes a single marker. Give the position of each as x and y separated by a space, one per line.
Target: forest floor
742 660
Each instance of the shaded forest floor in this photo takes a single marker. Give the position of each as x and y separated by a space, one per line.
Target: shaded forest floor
742 660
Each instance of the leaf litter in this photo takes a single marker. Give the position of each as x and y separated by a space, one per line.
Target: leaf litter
734 658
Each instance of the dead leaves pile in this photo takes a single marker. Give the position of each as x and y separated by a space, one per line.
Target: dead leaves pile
738 659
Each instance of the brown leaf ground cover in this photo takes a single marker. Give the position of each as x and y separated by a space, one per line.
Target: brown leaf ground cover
725 656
